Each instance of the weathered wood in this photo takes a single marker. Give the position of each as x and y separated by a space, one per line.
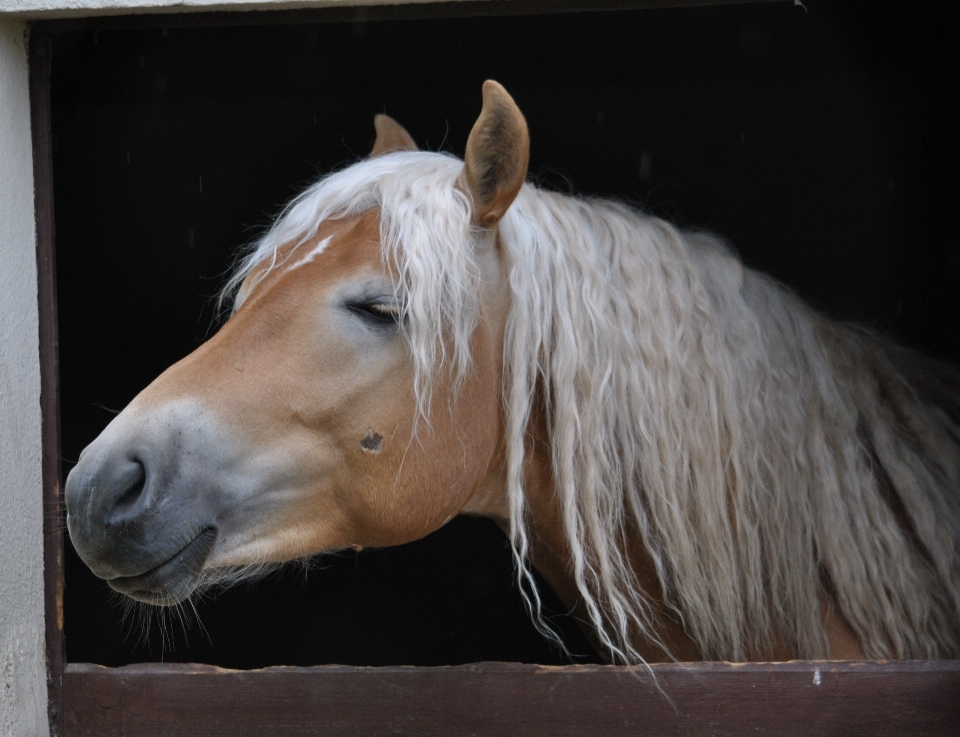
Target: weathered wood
192 17
40 53
802 698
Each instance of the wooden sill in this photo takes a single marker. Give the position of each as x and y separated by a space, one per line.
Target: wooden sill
798 697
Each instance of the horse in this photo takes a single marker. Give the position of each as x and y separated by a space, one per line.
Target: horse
699 464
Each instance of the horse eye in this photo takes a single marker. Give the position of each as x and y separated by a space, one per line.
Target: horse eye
379 313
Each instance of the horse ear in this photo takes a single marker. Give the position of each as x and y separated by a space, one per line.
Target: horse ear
498 151
391 136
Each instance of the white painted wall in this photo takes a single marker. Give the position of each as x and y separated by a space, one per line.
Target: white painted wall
23 688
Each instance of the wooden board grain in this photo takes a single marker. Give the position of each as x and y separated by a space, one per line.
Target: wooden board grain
796 698
40 52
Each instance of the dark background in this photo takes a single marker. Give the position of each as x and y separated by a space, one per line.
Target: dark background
821 141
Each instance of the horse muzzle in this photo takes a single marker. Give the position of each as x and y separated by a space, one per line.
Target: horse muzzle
173 580
140 516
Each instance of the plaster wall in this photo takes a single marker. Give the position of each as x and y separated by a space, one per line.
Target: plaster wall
23 689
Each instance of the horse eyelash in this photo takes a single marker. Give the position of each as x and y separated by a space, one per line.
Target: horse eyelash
380 312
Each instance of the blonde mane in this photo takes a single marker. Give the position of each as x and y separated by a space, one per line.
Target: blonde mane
762 453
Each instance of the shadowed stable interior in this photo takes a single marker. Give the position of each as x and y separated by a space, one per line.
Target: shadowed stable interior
822 143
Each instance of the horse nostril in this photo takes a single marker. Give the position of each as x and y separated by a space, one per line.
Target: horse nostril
128 486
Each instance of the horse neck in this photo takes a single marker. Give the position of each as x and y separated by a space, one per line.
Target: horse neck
550 553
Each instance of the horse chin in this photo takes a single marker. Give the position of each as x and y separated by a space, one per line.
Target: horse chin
175 579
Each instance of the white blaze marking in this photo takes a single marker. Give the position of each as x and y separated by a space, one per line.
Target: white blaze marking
317 250
817 680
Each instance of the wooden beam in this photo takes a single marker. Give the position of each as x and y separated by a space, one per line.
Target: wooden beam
41 50
802 698
191 17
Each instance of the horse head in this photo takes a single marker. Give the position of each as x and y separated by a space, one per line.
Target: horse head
334 408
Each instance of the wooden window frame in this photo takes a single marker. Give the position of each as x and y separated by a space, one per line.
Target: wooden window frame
803 697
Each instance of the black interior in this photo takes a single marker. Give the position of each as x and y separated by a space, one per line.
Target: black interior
820 140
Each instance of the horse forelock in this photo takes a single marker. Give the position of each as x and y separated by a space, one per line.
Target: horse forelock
427 241
696 404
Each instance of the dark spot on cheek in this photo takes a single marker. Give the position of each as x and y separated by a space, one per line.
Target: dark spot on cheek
371 442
